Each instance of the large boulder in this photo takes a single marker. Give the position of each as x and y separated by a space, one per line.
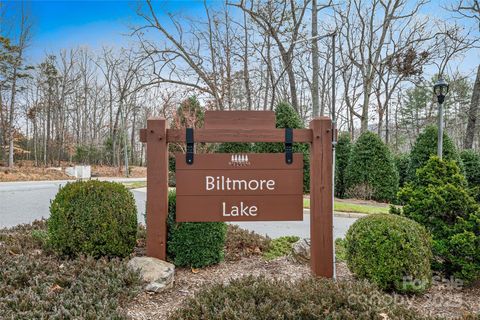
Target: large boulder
301 250
157 274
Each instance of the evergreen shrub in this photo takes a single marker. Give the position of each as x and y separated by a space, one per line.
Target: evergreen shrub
438 199
426 146
95 218
194 244
287 117
401 163
342 154
391 251
371 171
471 166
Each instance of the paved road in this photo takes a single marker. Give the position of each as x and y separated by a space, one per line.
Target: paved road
23 202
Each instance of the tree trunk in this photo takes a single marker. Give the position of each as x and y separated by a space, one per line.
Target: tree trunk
472 113
366 103
11 113
246 77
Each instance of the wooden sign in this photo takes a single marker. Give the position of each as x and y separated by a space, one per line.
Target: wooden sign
239 187
247 187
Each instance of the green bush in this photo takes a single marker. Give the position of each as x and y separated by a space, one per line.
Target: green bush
426 146
391 251
371 172
261 299
471 166
401 163
438 199
342 154
234 147
287 117
96 218
194 244
280 247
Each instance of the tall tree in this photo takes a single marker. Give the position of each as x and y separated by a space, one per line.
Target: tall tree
14 69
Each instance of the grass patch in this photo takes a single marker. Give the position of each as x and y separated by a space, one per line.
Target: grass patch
38 284
352 207
135 184
280 247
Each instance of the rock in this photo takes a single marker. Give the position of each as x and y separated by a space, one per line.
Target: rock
301 250
158 274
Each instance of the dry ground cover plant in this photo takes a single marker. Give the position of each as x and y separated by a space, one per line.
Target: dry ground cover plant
35 283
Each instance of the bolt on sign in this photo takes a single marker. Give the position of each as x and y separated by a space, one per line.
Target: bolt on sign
241 187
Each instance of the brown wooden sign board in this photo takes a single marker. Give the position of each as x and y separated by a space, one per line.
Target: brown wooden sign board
239 187
284 202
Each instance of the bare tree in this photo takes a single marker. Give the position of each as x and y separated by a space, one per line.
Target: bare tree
284 28
368 30
471 9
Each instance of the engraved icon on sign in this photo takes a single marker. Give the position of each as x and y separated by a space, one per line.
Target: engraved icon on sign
239 160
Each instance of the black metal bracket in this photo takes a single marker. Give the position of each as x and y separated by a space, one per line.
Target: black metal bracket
288 145
190 145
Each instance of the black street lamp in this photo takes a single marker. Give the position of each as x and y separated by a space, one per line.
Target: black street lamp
440 89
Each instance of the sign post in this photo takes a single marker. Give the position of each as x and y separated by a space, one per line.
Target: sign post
242 187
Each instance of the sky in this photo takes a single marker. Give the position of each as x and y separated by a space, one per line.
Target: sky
64 24
67 24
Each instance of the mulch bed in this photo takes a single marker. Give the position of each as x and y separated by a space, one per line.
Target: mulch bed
442 300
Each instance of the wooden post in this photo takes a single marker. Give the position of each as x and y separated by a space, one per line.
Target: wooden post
321 204
157 188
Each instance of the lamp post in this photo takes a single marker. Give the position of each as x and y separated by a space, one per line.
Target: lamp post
440 89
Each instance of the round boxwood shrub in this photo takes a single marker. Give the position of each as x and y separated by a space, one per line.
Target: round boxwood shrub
261 299
391 251
287 117
371 172
95 218
194 244
438 199
426 146
342 154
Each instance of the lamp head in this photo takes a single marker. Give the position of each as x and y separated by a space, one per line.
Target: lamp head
441 89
